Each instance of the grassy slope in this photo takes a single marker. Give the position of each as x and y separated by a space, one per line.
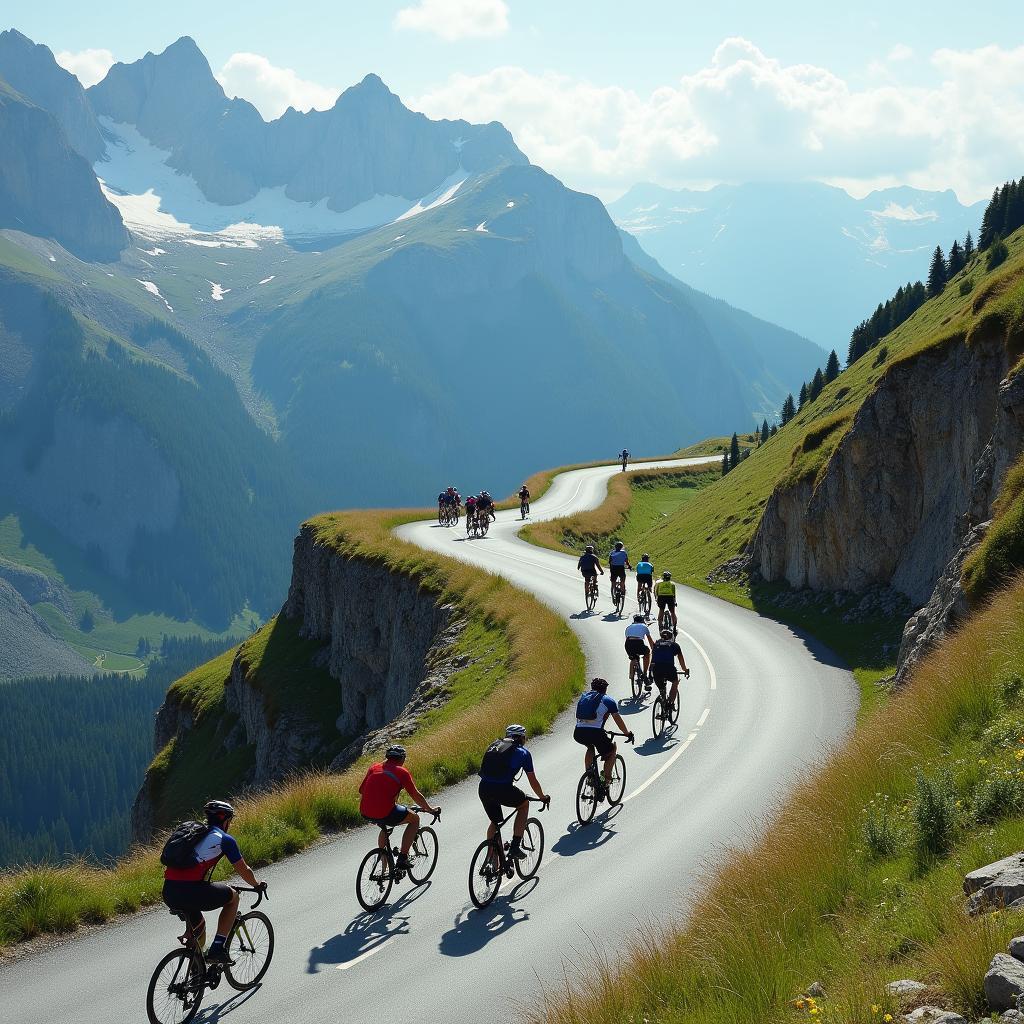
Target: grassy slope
515 637
857 882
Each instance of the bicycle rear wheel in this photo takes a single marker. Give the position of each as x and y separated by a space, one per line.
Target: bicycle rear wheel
176 989
659 716
484 875
586 798
423 855
637 682
533 846
618 784
251 946
620 599
591 597
645 602
374 880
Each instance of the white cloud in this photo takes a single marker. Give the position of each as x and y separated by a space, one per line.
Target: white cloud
272 90
89 65
748 116
455 19
900 52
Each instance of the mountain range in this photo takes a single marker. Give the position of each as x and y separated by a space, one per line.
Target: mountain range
257 320
802 254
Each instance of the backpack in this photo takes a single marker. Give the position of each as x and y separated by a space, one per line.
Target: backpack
180 849
496 763
588 705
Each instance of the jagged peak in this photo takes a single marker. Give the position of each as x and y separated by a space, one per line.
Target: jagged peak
370 87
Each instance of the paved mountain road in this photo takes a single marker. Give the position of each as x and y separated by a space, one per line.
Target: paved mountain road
761 705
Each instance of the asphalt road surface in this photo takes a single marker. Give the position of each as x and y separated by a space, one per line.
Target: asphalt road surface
762 705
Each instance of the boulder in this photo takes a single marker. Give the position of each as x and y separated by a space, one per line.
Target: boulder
1004 982
933 1015
904 987
1017 947
996 885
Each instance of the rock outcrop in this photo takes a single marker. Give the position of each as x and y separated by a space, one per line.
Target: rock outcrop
995 885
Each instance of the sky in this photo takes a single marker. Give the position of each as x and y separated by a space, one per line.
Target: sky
605 94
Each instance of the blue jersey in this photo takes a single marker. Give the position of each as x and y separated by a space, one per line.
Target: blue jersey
588 564
644 569
593 708
507 766
618 558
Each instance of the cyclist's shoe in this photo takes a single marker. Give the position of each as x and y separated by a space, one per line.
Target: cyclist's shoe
218 955
402 862
516 853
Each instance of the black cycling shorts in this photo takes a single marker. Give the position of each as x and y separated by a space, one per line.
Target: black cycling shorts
645 581
396 816
664 674
664 601
635 646
190 899
496 795
596 738
617 572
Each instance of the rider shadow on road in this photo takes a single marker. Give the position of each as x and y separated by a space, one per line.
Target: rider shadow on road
583 838
365 933
211 1014
473 929
658 744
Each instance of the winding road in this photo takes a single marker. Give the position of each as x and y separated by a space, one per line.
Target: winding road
763 703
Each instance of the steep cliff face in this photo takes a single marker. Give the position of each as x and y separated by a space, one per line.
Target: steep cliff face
356 657
893 502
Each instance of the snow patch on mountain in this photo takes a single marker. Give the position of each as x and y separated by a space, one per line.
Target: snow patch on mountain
151 287
217 291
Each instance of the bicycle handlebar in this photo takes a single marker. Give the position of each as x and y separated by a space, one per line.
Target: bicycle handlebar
261 889
434 815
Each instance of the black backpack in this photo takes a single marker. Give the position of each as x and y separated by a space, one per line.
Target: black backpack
496 761
180 849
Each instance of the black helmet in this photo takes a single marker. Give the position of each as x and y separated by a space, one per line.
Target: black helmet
395 753
218 811
645 557
599 684
590 549
638 617
666 634
618 545
666 575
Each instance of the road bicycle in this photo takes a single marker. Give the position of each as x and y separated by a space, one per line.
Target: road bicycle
491 862
182 977
663 713
483 523
665 619
639 680
618 594
524 508
643 599
591 789
379 870
591 592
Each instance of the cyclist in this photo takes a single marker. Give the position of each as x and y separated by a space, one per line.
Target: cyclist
470 510
665 593
664 655
618 563
644 574
502 762
377 795
592 711
639 644
485 504
624 455
442 501
589 565
189 891
524 497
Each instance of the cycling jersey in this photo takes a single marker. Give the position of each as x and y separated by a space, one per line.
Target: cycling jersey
209 850
380 788
501 764
593 708
588 564
637 629
442 498
665 652
644 569
665 588
618 558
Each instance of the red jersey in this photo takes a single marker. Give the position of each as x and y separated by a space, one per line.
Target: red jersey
380 789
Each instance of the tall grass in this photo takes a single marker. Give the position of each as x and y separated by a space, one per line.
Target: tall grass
775 916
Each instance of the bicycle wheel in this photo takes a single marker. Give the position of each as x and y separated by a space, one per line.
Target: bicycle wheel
485 526
586 798
645 602
533 846
591 597
618 784
251 946
675 709
423 855
659 716
637 682
176 989
374 880
620 599
484 875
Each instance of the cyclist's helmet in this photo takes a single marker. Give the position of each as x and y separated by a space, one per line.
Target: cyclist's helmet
666 634
590 549
666 575
515 732
395 753
645 557
618 545
638 618
599 684
219 811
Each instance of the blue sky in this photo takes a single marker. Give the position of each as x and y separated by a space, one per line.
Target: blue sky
606 93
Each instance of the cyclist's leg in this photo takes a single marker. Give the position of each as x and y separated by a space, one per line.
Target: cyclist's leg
227 915
412 826
382 839
609 763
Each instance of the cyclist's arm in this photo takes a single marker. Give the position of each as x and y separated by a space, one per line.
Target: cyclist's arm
536 786
420 798
245 872
628 566
682 663
620 723
599 565
650 641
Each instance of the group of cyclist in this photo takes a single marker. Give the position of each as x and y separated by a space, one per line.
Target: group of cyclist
450 501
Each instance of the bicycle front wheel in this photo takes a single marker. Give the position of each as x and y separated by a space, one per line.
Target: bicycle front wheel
423 855
251 946
659 716
533 846
617 786
484 875
586 798
374 880
176 989
675 709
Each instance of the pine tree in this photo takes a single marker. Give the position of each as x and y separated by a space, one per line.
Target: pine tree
725 463
788 409
803 396
775 429
989 225
832 367
968 248
734 452
955 263
817 385
764 431
937 273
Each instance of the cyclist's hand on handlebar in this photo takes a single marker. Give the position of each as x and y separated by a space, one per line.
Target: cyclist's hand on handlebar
547 801
630 738
686 673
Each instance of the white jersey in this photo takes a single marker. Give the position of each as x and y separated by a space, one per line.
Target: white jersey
638 629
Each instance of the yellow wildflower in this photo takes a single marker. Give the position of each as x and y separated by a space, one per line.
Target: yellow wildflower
887 1018
875 1007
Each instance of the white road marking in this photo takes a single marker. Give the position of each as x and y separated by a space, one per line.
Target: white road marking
364 956
677 753
703 718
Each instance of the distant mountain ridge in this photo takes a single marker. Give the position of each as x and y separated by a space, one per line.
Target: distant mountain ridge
806 255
